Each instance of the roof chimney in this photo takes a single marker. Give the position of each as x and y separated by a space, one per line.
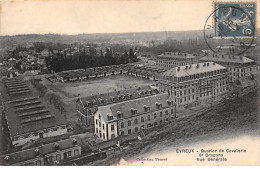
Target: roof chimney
190 66
186 67
198 65
178 68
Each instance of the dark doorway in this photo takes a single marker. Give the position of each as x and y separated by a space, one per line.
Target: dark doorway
65 155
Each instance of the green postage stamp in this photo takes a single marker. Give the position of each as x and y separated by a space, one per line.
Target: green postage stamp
234 20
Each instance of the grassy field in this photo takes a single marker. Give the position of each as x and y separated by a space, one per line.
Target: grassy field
102 85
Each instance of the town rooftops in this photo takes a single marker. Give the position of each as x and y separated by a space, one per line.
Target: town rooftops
192 69
176 55
29 154
135 107
226 58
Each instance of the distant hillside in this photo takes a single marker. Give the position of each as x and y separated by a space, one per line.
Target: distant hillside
122 38
6 41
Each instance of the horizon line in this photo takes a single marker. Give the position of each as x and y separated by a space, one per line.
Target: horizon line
97 33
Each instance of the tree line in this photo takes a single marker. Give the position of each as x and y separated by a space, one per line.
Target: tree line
86 58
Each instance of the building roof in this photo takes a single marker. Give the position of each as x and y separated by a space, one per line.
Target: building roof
92 71
247 81
226 58
127 107
176 55
117 96
36 152
192 69
25 113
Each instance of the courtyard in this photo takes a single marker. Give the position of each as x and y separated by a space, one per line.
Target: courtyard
102 85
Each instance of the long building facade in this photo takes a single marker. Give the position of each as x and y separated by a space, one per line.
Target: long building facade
133 116
174 59
195 83
135 70
237 66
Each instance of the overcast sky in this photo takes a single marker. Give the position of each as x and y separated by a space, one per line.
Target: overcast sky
110 16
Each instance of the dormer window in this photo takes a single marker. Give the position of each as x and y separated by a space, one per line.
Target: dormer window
109 117
130 96
113 99
169 102
140 93
159 105
134 111
119 114
119 98
146 108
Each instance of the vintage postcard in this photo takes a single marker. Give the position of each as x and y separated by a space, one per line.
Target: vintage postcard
129 83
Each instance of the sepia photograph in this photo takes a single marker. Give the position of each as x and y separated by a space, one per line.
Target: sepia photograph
129 83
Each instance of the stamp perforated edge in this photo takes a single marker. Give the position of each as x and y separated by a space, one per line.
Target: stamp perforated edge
230 2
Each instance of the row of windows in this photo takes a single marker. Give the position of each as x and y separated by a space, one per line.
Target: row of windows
208 93
207 81
241 69
129 122
136 129
103 126
239 74
104 136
